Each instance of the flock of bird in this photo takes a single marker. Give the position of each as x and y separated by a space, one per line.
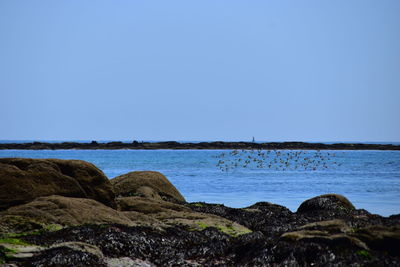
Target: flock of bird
276 159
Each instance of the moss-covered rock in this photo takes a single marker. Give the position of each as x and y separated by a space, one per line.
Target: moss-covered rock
68 211
147 206
22 180
172 214
335 233
148 184
11 225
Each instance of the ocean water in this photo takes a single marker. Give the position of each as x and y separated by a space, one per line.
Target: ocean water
369 179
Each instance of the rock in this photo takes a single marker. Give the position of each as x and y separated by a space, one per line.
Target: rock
268 218
11 224
148 192
80 246
148 184
135 211
171 214
381 238
333 233
328 202
330 226
127 262
336 240
186 238
148 206
198 221
20 251
141 219
69 211
63 256
22 180
174 246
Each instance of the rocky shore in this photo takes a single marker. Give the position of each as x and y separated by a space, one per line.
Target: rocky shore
68 213
201 145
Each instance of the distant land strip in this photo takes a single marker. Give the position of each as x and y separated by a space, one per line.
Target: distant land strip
200 145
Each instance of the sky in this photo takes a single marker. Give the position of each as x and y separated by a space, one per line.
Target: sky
200 70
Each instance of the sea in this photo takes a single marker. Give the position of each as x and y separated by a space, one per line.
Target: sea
369 179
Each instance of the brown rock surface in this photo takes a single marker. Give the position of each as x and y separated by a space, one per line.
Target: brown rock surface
69 211
148 184
332 232
171 214
148 206
22 180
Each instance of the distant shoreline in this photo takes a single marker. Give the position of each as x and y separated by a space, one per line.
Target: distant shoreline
135 145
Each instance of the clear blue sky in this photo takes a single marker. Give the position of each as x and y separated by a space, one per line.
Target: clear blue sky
200 70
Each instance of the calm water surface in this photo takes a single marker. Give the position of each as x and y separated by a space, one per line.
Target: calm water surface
370 179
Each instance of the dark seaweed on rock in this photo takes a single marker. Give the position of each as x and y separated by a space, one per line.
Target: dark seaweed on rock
338 235
181 247
63 256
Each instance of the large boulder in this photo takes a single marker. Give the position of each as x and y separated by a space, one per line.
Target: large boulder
327 202
148 184
22 180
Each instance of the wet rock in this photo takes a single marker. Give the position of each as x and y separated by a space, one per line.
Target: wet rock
63 256
80 246
148 184
22 180
127 262
177 246
170 247
327 202
11 224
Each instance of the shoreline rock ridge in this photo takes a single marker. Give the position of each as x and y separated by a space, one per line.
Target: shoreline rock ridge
198 145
